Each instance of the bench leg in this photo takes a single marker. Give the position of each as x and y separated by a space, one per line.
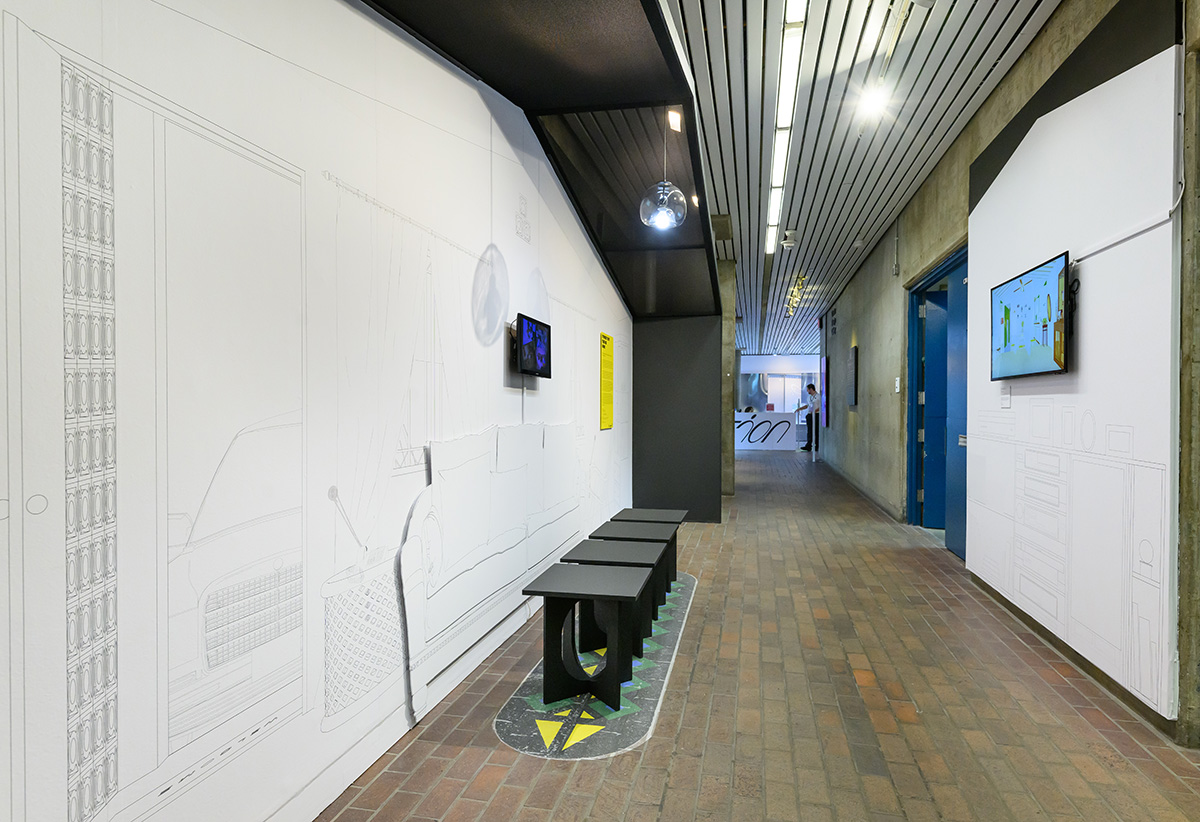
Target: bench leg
562 675
591 635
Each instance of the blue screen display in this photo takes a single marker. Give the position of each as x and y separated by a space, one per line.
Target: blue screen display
533 346
1029 322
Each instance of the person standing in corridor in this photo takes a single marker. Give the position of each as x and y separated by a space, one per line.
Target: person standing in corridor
812 410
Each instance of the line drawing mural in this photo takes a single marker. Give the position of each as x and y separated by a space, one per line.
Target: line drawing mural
228 650
312 402
469 532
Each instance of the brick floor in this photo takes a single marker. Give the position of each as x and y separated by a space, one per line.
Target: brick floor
836 665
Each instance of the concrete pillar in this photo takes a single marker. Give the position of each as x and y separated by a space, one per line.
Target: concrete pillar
1187 728
727 279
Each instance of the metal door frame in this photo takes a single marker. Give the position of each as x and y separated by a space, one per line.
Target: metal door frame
916 350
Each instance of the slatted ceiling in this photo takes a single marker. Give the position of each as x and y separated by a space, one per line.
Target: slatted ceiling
845 179
903 192
1002 45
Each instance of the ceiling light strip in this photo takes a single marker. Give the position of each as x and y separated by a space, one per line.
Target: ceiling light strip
785 111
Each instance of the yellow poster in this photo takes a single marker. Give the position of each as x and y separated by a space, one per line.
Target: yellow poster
606 382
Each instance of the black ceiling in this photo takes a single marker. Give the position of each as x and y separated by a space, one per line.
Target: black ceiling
595 80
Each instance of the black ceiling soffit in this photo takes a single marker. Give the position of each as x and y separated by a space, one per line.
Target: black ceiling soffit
595 80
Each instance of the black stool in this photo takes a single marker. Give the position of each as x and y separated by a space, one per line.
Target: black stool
643 532
613 616
623 552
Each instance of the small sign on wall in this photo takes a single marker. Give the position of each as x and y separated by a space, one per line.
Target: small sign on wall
606 382
852 376
825 392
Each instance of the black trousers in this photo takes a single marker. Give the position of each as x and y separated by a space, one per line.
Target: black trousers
811 422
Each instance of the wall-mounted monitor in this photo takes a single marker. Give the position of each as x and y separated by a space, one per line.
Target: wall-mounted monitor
1029 322
532 347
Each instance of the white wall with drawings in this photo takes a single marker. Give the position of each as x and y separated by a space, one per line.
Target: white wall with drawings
257 282
1072 480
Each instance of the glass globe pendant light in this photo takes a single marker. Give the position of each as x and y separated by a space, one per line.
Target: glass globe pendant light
663 205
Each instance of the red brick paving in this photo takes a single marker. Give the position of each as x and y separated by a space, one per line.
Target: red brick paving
836 665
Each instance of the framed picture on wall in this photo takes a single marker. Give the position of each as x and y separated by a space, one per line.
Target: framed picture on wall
852 377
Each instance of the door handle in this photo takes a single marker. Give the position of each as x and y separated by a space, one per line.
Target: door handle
962 440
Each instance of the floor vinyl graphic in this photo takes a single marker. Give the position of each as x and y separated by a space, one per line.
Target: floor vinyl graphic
583 727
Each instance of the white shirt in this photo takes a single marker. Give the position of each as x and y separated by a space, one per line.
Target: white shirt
813 406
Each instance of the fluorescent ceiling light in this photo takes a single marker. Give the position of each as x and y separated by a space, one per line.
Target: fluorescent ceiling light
789 76
874 26
873 102
795 11
771 235
779 156
675 118
774 205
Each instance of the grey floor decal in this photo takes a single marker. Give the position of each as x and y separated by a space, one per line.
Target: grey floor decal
583 727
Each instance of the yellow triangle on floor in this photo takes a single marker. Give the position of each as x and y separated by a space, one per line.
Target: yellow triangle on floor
586 715
548 729
580 733
567 712
601 651
590 669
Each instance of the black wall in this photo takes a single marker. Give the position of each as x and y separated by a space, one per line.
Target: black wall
677 415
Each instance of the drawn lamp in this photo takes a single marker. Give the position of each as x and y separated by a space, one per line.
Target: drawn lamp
663 205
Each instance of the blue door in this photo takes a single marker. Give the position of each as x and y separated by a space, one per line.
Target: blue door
956 410
933 447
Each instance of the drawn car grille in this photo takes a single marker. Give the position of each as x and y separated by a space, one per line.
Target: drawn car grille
244 616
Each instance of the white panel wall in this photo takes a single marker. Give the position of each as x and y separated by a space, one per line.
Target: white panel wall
1071 479
259 262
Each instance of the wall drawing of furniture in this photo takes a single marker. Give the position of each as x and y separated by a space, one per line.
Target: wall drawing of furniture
1084 526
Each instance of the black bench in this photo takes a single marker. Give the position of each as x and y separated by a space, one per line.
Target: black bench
672 515
614 614
643 532
622 552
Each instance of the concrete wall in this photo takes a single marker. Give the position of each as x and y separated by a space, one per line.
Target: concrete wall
867 445
727 272
866 442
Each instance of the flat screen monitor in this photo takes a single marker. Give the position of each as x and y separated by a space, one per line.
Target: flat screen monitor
533 346
1029 322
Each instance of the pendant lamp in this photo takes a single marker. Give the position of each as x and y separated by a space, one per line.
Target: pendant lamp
663 205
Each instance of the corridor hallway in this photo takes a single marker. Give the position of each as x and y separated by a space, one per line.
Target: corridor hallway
835 665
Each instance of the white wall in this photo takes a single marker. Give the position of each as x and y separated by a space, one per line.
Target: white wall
274 360
1072 483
